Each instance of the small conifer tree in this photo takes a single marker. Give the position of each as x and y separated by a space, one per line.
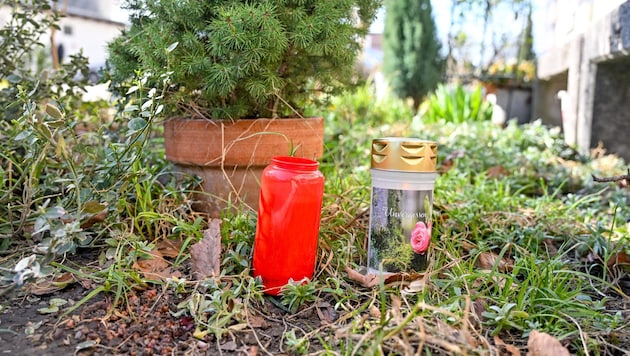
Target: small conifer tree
412 60
526 47
235 59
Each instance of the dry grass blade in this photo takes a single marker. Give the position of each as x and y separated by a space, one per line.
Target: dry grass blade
510 350
415 329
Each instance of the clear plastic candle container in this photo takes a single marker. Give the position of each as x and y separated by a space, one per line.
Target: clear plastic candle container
403 176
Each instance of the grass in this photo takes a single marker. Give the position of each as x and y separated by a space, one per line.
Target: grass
523 239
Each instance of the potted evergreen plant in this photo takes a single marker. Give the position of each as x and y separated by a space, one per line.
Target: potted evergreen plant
240 70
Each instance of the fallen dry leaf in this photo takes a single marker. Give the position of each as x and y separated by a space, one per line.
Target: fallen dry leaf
414 287
205 255
229 346
257 321
96 213
170 247
403 277
449 161
51 286
370 280
96 218
155 263
155 267
238 327
326 313
506 349
496 172
619 258
367 280
467 246
487 260
374 312
543 344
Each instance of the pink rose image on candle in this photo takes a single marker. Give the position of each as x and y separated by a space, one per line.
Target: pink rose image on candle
420 237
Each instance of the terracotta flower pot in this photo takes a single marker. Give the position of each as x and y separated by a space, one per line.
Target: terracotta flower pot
230 156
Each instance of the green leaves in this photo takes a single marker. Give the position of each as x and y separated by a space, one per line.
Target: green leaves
296 293
456 104
93 207
243 59
53 111
65 162
503 316
26 270
53 306
14 79
136 124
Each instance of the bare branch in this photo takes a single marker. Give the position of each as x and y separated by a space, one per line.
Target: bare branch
625 177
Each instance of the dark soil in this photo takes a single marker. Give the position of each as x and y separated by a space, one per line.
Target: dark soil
91 331
145 325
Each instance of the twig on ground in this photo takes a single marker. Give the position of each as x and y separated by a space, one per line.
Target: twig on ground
625 177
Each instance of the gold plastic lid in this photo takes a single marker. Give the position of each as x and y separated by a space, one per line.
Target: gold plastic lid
404 154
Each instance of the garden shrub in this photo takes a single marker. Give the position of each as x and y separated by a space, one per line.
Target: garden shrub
67 165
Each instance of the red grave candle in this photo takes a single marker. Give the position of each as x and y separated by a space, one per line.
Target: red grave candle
287 230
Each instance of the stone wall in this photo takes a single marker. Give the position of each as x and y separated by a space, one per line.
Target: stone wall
611 107
546 102
517 103
596 63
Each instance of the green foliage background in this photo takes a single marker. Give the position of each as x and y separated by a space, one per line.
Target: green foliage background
455 104
412 59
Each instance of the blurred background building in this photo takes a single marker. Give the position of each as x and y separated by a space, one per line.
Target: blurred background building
584 62
86 26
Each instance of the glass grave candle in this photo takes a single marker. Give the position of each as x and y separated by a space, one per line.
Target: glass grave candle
403 176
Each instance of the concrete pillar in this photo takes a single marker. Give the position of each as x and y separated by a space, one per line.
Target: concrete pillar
570 112
585 108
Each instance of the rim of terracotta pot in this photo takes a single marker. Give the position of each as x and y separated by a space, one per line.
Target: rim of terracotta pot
201 142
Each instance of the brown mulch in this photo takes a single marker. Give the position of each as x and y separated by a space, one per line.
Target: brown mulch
147 322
